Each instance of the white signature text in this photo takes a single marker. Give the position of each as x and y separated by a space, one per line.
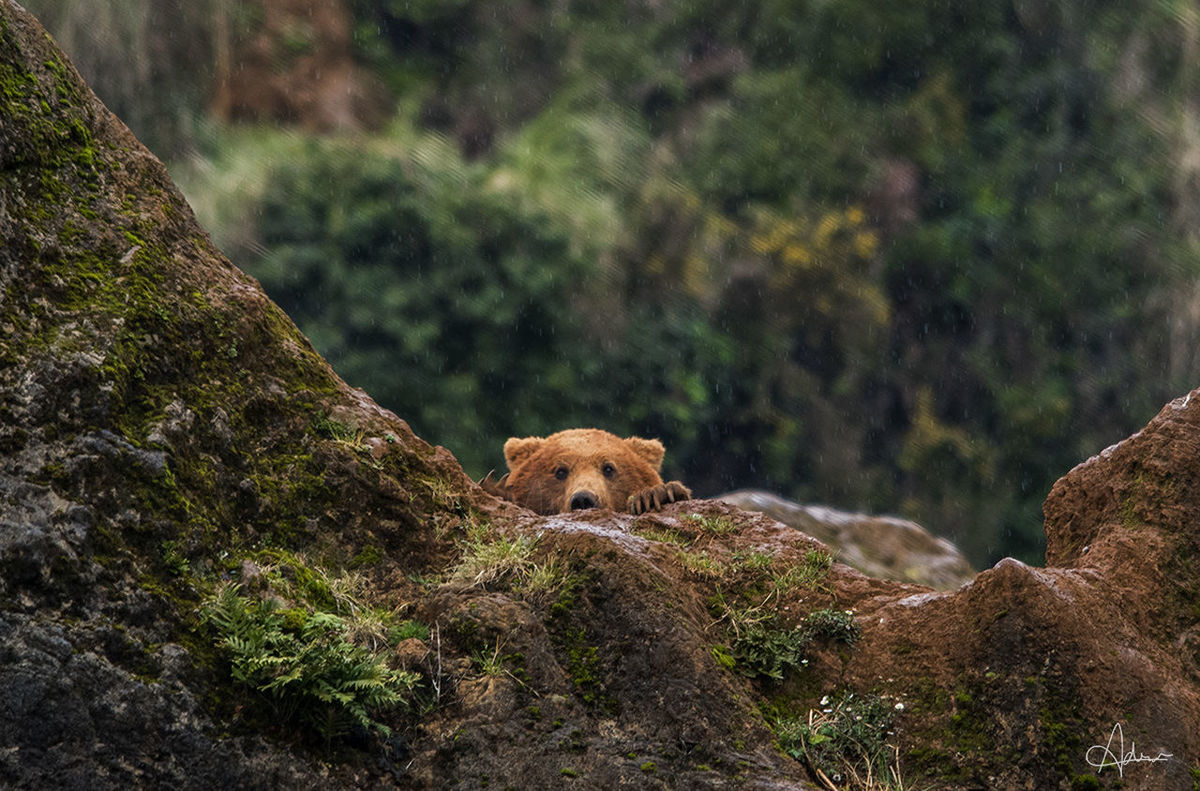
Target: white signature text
1113 753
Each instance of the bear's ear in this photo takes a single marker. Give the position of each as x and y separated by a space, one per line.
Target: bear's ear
649 449
518 450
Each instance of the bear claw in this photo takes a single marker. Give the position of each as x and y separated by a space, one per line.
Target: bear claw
496 488
656 497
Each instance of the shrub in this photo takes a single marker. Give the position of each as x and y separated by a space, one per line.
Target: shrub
832 624
765 650
845 741
303 664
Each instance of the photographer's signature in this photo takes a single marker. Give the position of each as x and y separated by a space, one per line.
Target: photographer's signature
1114 753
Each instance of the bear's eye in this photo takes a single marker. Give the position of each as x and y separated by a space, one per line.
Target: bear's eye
561 472
608 469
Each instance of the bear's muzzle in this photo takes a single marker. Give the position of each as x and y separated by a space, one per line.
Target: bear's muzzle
583 499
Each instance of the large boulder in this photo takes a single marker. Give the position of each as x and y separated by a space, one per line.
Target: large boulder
880 546
165 431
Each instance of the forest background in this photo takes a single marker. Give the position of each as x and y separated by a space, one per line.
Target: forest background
917 258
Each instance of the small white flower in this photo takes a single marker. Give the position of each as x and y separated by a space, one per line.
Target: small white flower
899 707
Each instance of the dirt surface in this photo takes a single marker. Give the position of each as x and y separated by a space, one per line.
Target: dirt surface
166 431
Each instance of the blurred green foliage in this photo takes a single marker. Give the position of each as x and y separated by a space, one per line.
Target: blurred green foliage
919 258
437 296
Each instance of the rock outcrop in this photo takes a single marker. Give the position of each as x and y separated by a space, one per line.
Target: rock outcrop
878 546
165 431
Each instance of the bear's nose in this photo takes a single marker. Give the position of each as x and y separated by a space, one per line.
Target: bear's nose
583 499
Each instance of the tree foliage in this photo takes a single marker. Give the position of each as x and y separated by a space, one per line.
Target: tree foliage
918 258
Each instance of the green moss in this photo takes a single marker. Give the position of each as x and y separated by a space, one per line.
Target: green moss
369 555
662 535
58 164
300 578
970 725
1061 727
1144 497
717 525
325 426
583 667
723 657
580 653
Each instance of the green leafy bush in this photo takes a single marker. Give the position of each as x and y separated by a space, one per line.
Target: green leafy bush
302 663
836 625
768 651
846 740
762 649
448 303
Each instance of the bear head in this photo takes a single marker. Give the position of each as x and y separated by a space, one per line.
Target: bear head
580 468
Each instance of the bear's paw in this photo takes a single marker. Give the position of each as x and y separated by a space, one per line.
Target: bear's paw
656 497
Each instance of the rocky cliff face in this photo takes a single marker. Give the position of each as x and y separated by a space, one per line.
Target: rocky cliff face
165 433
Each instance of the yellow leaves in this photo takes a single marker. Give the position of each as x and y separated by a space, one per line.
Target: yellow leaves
933 447
866 244
875 305
824 264
720 225
838 237
828 225
779 233
820 271
797 255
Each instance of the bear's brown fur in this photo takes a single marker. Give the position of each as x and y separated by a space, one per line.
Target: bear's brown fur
585 468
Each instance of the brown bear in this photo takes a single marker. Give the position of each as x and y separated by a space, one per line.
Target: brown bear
585 468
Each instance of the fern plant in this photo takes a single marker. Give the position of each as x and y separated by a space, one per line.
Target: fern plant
762 649
302 662
768 651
